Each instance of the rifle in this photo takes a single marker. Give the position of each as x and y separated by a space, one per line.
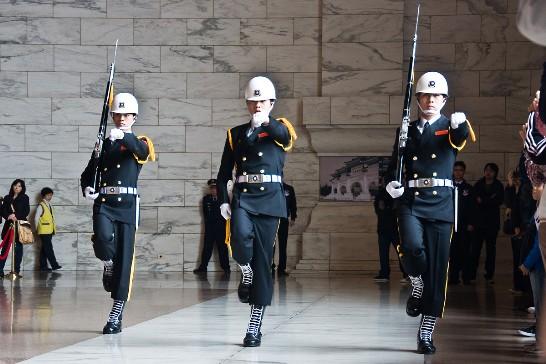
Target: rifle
403 135
97 150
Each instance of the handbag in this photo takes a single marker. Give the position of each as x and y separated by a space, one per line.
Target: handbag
24 232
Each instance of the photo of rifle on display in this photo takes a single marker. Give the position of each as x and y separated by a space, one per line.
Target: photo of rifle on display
403 136
108 95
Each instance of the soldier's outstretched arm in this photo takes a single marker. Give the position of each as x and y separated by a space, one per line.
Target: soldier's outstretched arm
278 131
136 146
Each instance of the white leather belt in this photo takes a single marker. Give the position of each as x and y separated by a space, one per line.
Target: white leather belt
259 178
429 182
116 190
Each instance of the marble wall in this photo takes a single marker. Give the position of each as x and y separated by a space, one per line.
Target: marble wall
339 67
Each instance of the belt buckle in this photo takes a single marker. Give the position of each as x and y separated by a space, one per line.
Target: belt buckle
427 182
112 190
255 178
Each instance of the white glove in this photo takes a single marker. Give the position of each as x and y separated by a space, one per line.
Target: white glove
116 134
395 189
457 119
225 210
90 194
259 118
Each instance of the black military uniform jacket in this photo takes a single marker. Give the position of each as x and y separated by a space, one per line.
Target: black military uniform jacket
467 205
119 166
211 211
263 152
430 155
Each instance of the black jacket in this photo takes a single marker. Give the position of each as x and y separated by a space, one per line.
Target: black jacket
118 167
21 205
291 203
383 205
260 153
489 198
467 205
429 155
211 211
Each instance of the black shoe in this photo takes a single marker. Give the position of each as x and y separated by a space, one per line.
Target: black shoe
45 269
413 306
282 273
251 340
112 328
227 272
425 347
57 268
244 291
200 270
380 279
107 281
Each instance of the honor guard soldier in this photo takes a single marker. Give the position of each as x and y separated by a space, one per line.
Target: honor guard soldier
215 231
116 204
425 206
257 150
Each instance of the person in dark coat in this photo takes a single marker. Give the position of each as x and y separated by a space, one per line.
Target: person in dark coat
215 231
116 204
292 214
489 196
425 205
460 259
387 232
257 151
15 206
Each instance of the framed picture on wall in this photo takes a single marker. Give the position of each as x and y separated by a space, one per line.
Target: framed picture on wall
351 178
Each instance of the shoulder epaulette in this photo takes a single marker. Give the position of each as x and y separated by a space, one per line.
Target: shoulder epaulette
151 150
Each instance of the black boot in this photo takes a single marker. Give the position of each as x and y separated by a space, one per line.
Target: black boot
112 328
413 305
253 335
113 325
246 282
425 344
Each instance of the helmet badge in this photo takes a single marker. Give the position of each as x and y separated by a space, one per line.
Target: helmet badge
121 105
257 93
431 84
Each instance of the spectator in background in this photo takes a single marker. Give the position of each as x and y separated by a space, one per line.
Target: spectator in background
460 250
387 232
215 231
15 206
44 221
489 194
282 234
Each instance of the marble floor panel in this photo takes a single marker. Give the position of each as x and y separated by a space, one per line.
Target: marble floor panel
181 318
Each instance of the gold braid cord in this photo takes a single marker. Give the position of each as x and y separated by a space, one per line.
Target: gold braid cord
151 150
293 135
472 137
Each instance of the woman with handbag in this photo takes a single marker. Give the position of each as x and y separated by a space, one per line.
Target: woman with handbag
16 206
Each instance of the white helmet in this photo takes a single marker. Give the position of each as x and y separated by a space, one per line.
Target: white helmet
260 88
432 83
124 103
531 22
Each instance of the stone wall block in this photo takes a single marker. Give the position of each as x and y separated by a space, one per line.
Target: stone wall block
97 31
239 59
53 31
19 57
80 58
185 111
53 84
160 32
13 84
160 85
267 31
184 165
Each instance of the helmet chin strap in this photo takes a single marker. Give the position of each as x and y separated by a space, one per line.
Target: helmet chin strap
430 112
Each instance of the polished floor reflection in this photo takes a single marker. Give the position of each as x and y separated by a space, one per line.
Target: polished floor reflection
180 318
